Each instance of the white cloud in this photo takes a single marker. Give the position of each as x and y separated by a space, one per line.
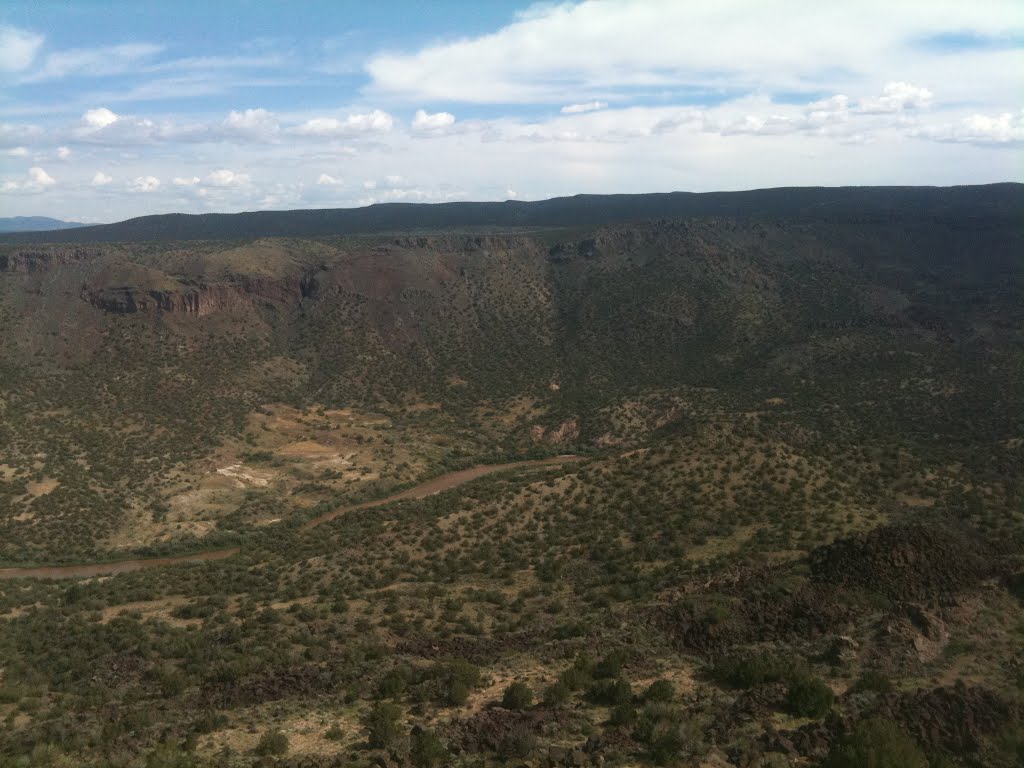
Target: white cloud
14 134
424 122
353 125
1006 128
226 178
94 62
63 153
897 97
101 179
37 177
590 106
772 124
34 181
18 48
104 127
595 49
145 184
831 111
101 117
713 92
257 124
392 182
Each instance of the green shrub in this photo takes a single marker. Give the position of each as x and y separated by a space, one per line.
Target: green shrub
556 694
574 679
517 696
610 692
660 690
456 680
382 724
623 715
809 697
667 746
874 681
272 743
651 717
165 755
1011 744
456 693
394 683
667 734
610 665
426 749
519 743
747 671
876 743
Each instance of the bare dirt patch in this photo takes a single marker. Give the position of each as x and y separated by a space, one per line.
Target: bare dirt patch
41 488
246 477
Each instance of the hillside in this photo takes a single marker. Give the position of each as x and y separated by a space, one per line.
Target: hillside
967 202
782 522
34 224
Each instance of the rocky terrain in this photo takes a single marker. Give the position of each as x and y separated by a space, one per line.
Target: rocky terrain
791 531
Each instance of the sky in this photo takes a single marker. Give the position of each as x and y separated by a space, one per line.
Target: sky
110 110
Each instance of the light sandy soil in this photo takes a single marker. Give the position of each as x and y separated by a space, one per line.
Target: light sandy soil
245 476
43 487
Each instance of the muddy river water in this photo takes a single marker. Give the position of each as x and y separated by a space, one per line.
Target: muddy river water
428 488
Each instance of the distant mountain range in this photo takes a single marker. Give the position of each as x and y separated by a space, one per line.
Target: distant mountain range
817 203
35 224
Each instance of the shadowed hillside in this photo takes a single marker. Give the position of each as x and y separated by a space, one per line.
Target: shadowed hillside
968 202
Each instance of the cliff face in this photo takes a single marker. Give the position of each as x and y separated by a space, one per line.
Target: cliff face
127 300
198 300
30 261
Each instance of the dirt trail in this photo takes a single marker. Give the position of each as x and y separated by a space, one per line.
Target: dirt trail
107 569
430 487
439 484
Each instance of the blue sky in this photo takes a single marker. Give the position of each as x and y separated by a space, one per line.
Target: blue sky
111 110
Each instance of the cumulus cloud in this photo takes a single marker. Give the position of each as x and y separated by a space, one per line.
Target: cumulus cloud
590 106
35 180
63 153
145 184
423 122
830 111
101 117
994 130
627 95
405 191
754 124
226 178
392 181
18 48
252 124
353 125
897 97
104 127
37 177
590 49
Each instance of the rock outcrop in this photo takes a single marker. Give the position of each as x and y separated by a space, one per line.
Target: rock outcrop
199 300
40 261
